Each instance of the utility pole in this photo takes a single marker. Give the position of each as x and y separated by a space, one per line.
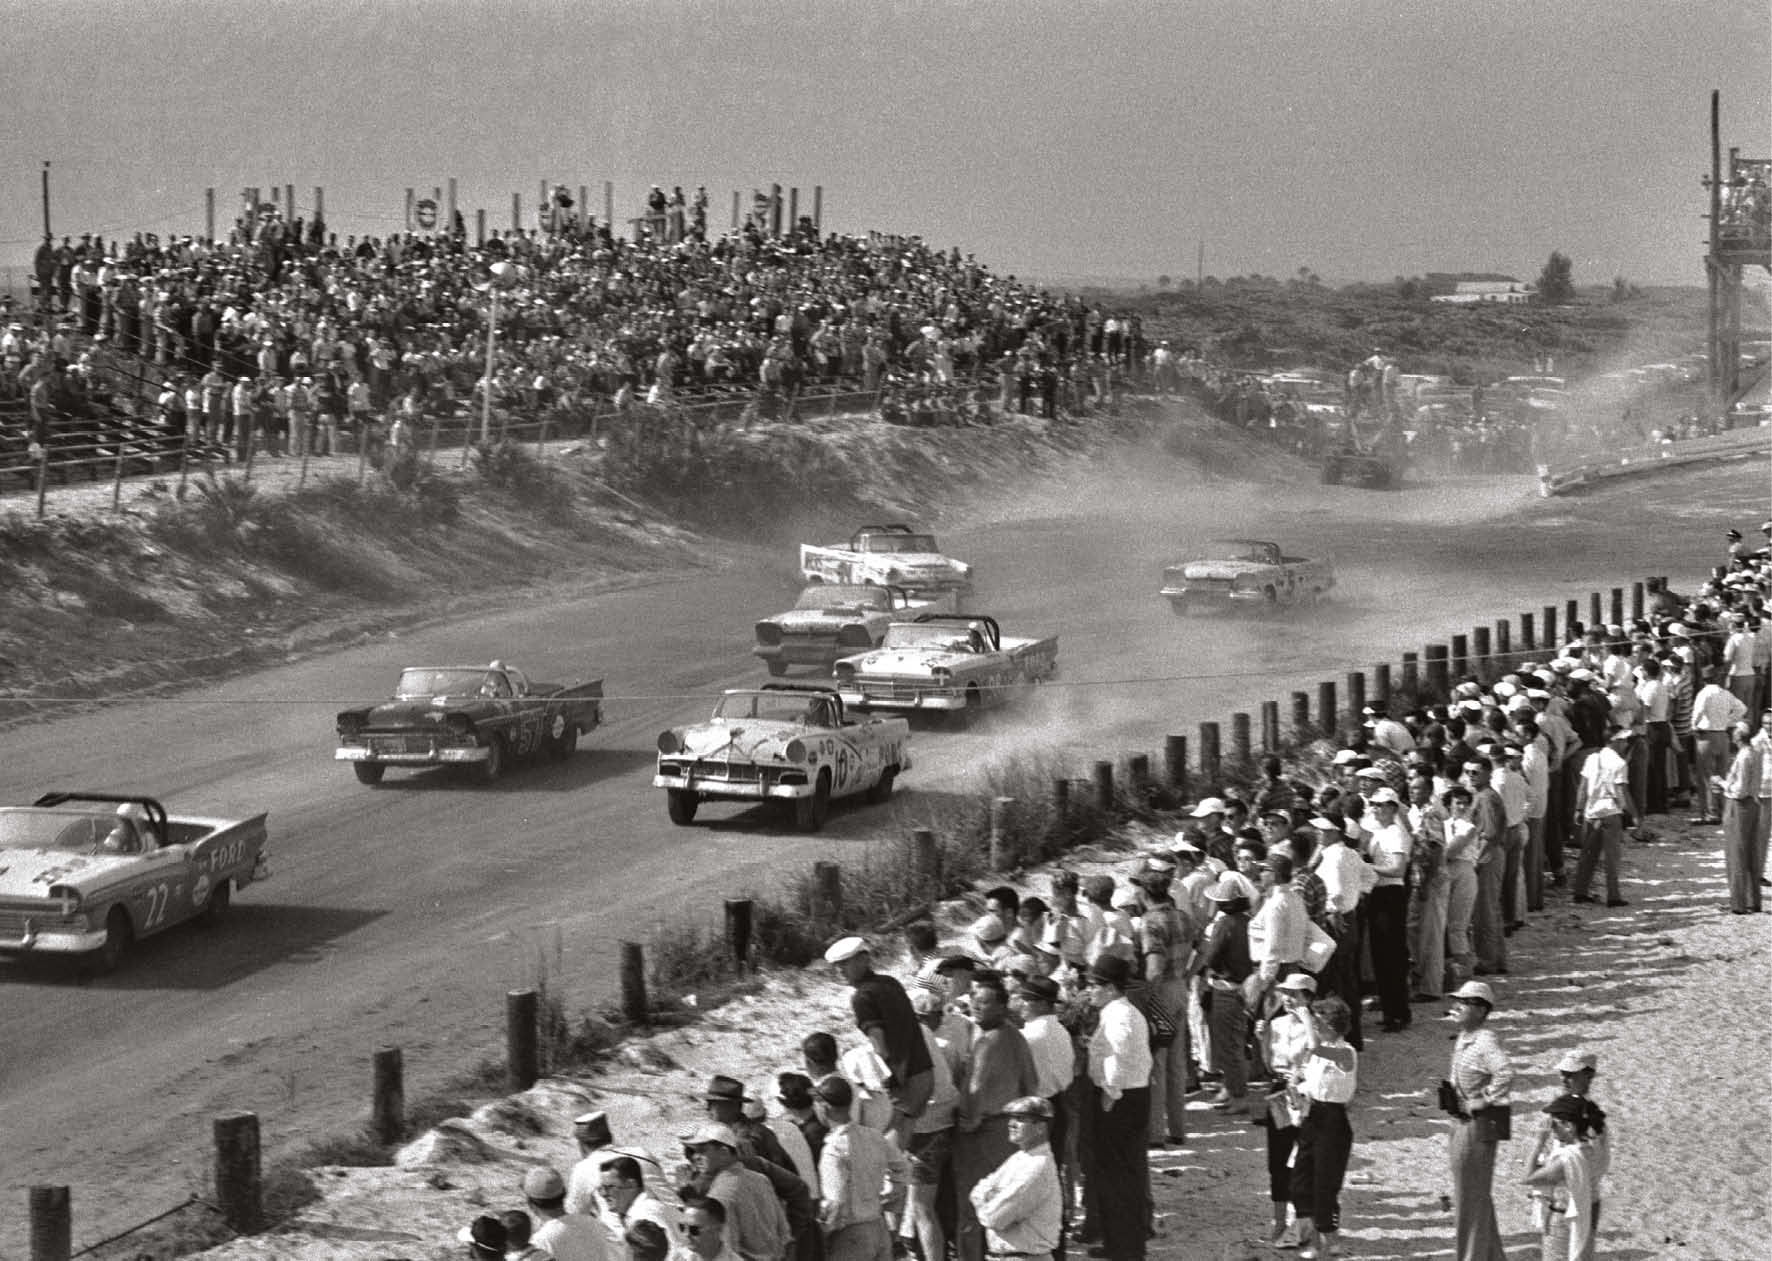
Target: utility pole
46 232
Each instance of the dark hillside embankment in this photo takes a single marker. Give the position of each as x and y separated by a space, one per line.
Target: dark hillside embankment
177 589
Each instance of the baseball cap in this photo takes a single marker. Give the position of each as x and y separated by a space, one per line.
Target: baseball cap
1211 805
1578 1061
1476 992
1384 797
711 1132
1301 981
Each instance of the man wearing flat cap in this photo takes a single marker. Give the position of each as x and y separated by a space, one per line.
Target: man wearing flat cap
757 1226
1020 1203
590 1130
883 1013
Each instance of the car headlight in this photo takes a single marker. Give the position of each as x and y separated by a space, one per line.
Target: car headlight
768 634
669 742
796 751
460 725
941 676
68 898
854 635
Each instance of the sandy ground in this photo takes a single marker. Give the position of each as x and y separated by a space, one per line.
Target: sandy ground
1650 989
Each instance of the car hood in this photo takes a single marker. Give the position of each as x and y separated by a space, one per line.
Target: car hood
426 713
28 873
1223 568
923 561
748 740
822 619
917 661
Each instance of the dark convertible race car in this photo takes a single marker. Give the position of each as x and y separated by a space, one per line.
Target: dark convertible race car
478 716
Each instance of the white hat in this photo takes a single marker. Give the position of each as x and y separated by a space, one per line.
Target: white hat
1583 674
1183 844
1384 797
1476 991
1304 982
1369 772
989 929
1211 805
1328 825
1504 689
1679 629
1578 1062
1343 757
845 949
1563 665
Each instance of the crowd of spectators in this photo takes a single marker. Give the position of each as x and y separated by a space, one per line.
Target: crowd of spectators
998 1095
288 333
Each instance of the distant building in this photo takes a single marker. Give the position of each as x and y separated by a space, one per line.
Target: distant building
1468 289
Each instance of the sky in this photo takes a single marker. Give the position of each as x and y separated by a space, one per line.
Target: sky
1087 139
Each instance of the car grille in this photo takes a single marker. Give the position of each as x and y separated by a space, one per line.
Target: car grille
12 923
730 772
403 743
892 691
1212 584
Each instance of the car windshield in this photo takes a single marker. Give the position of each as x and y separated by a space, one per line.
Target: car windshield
943 636
828 597
798 707
421 683
1238 549
61 830
898 543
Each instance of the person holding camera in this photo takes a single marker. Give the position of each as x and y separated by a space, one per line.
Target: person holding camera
1478 1098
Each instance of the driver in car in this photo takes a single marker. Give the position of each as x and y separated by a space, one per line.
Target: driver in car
130 832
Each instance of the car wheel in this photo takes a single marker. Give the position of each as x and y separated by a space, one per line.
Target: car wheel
680 804
1331 473
119 933
216 909
369 772
811 812
777 669
493 768
882 789
561 747
1270 597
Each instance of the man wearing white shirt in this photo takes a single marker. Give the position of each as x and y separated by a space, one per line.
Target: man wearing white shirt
1714 710
1534 765
1602 801
1120 1068
626 1200
1344 875
1388 906
1019 1203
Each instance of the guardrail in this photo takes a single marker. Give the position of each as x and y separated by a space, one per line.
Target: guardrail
1631 461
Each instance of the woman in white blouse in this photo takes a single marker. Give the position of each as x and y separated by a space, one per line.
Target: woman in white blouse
1285 1046
1327 1080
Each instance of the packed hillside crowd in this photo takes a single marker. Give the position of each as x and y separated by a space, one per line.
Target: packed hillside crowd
292 333
999 1095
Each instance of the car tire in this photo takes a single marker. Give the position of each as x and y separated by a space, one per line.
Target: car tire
811 812
1331 473
216 909
493 768
881 792
369 772
119 934
562 746
777 669
681 804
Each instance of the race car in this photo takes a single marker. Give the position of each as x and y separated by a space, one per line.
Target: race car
830 621
478 716
786 742
1247 572
889 556
83 875
944 661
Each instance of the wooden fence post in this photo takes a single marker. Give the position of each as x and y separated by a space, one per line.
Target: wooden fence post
1242 750
1412 672
1460 662
1596 607
1438 673
1356 695
1548 628
1104 787
1483 653
1571 616
42 481
634 1008
1301 715
1211 756
1504 641
1138 775
387 1110
1175 762
238 1188
52 1223
1270 726
926 855
827 879
522 1052
1617 618
1638 601
1381 687
738 930
1327 718
1528 633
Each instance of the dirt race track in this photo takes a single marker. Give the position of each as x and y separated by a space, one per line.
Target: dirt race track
400 915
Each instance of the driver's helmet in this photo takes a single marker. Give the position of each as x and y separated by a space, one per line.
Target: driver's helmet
130 832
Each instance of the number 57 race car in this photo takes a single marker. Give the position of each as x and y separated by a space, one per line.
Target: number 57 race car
786 742
85 874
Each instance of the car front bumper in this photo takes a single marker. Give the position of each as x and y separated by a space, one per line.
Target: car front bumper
733 789
1211 595
438 755
905 696
53 940
788 652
